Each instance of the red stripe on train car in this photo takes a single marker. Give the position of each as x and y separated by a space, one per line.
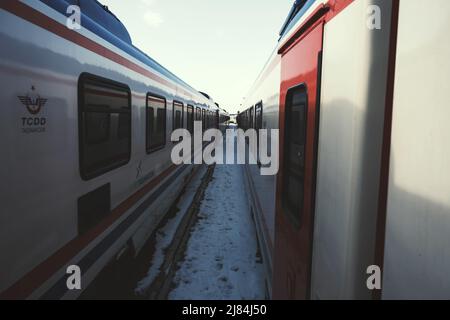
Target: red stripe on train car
39 19
334 7
328 10
37 277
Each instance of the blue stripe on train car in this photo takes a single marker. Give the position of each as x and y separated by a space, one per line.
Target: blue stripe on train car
298 10
107 26
59 289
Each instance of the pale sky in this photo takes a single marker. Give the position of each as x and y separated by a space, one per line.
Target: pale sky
216 46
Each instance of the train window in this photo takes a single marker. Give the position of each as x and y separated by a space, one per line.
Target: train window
251 118
198 114
258 116
246 120
156 113
178 115
209 119
258 123
104 125
294 152
204 119
218 120
190 119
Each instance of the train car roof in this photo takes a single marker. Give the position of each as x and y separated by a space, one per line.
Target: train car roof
299 8
98 19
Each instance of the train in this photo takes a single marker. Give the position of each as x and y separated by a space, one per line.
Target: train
85 165
359 91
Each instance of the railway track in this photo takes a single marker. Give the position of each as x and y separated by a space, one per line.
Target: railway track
160 288
119 280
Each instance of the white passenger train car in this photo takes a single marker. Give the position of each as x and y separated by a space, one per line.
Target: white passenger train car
85 150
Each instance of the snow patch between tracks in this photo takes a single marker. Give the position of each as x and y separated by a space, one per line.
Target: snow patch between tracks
221 260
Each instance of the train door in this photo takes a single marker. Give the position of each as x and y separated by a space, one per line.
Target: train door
294 225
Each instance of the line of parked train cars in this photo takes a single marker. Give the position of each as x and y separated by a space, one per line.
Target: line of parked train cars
85 169
360 92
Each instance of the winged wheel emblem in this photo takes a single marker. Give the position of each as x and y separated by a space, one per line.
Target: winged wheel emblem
34 105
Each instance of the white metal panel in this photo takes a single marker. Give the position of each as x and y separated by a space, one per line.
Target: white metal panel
355 61
417 251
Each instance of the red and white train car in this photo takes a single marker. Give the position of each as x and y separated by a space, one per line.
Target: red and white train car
360 91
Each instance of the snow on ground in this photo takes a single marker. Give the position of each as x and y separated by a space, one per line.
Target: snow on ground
221 261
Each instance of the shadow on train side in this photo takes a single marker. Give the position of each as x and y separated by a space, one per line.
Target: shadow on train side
372 151
422 271
353 131
417 264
